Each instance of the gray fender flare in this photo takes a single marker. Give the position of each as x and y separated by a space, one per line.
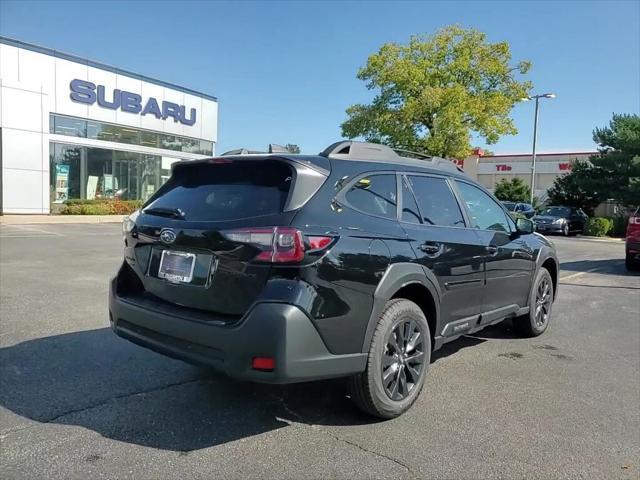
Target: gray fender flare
396 276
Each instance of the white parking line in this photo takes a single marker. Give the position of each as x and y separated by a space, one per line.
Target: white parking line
20 231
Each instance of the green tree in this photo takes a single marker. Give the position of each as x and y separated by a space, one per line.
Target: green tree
580 188
437 90
618 164
613 174
514 190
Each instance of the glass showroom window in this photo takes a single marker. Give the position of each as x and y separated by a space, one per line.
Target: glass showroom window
98 173
78 127
65 161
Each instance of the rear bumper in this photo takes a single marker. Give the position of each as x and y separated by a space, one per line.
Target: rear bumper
275 330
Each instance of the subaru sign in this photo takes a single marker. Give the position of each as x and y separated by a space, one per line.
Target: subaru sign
90 93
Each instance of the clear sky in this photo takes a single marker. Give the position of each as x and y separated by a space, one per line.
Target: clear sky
284 72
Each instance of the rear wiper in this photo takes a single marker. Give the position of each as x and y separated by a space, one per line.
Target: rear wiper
165 212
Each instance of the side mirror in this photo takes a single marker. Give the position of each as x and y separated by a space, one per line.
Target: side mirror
524 225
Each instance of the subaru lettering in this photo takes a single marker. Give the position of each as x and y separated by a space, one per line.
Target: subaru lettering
83 91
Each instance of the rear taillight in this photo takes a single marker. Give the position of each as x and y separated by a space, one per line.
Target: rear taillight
278 244
634 220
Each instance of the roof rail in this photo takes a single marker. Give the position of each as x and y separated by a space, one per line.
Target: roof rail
376 152
273 148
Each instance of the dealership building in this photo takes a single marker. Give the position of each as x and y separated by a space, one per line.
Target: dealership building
490 169
72 128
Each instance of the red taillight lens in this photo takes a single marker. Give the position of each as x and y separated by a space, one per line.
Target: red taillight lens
278 244
634 220
266 364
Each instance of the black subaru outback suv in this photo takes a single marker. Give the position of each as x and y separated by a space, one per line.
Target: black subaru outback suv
354 263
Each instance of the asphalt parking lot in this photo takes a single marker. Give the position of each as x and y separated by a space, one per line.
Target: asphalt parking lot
78 402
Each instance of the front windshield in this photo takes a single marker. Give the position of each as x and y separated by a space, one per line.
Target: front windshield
509 206
556 211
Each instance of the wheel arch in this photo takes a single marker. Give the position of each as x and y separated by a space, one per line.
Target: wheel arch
410 281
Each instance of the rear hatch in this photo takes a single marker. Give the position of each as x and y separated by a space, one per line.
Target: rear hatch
208 238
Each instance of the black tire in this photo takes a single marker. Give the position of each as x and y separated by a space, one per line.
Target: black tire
541 296
631 263
368 390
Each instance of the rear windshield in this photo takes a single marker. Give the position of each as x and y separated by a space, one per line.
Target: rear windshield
226 191
557 211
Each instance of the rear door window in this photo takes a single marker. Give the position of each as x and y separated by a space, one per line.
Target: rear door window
226 191
375 195
436 201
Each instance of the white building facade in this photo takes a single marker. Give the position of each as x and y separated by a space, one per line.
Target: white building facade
490 170
71 128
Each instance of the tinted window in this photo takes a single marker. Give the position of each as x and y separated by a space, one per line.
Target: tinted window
485 213
375 194
509 206
437 204
410 212
226 191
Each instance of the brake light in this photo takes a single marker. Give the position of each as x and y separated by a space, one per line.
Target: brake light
217 161
278 244
634 220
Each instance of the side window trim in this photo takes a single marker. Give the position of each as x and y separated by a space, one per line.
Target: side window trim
461 203
404 180
341 196
507 217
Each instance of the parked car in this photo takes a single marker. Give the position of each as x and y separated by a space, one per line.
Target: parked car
356 262
522 208
558 219
632 242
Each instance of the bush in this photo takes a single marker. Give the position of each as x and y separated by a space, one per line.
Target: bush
619 226
598 226
100 207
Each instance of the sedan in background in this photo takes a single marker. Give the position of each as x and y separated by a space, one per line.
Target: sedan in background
564 220
522 208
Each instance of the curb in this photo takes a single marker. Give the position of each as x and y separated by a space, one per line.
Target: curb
58 219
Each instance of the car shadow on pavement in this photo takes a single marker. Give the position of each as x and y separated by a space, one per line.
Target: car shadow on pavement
607 267
98 381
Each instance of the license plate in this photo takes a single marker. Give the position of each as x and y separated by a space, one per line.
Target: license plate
177 267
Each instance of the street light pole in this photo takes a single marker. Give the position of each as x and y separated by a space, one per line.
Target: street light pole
535 137
533 156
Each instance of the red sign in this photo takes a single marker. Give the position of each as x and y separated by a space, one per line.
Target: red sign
503 168
564 166
459 162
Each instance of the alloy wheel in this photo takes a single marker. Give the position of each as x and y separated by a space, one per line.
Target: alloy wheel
403 359
543 303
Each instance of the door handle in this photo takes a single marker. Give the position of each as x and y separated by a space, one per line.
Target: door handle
492 250
430 248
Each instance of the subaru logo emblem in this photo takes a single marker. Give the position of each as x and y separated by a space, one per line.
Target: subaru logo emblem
167 236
